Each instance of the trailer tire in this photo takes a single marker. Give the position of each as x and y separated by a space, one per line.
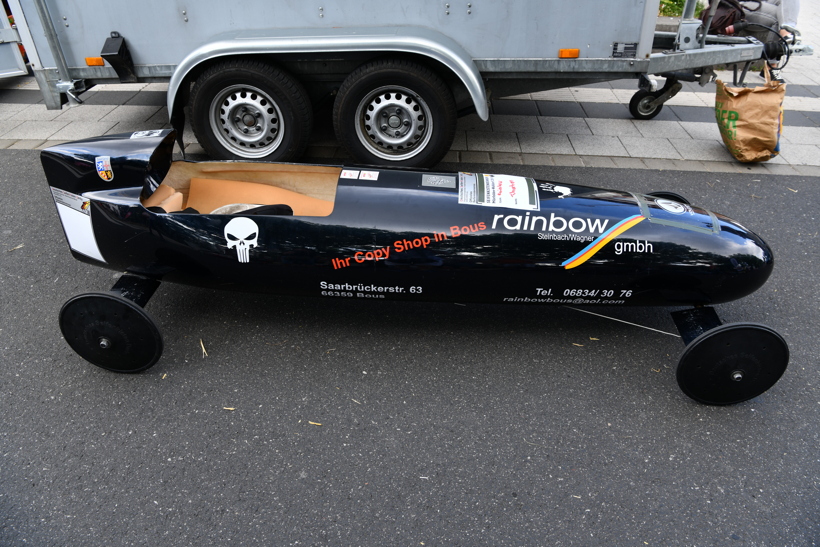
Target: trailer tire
245 109
415 107
639 105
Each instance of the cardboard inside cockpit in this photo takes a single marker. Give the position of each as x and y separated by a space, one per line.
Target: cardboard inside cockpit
309 190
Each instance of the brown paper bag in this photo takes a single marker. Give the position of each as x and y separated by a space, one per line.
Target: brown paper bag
751 119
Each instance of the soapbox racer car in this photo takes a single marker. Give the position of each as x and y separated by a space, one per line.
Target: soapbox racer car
372 233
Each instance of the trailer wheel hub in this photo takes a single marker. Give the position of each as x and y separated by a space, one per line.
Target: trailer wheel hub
393 123
247 120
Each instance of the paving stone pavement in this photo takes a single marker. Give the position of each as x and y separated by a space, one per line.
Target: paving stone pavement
586 125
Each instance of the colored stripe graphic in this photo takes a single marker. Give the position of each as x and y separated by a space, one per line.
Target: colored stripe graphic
588 251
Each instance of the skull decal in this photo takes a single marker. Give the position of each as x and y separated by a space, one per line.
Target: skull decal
243 234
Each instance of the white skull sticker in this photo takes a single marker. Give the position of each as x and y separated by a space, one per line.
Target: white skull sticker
243 234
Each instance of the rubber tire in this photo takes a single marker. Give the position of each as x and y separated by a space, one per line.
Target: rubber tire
407 74
288 94
635 105
135 340
705 368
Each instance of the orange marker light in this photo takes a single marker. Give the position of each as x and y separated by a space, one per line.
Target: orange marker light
569 53
94 61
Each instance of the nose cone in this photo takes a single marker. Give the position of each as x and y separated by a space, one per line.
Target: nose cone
702 259
742 264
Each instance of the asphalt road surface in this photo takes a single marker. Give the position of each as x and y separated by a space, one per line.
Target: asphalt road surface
441 424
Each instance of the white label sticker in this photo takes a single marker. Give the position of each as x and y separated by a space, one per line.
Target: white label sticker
369 175
438 181
75 216
498 191
672 206
349 174
562 191
146 134
72 201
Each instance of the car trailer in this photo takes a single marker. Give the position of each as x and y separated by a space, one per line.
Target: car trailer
394 79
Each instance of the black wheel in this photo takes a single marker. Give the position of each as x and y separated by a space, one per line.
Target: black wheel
395 112
670 196
732 363
243 109
111 332
639 105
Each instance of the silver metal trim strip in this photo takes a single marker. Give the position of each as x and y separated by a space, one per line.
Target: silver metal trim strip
416 40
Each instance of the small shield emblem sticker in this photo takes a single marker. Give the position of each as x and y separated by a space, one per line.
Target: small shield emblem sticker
103 164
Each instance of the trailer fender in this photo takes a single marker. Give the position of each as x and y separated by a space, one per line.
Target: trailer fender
417 40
